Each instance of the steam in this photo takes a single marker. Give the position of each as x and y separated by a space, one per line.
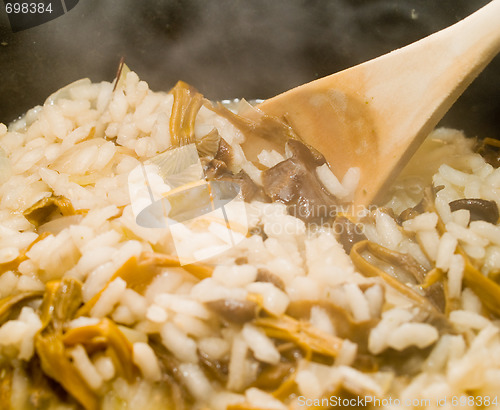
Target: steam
228 48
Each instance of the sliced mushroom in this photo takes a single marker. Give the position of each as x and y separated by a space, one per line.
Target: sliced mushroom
45 208
302 333
56 364
218 170
187 103
480 209
345 325
272 376
179 396
264 275
294 183
209 144
224 152
490 151
234 310
217 369
104 335
410 280
215 168
410 213
12 303
60 302
249 190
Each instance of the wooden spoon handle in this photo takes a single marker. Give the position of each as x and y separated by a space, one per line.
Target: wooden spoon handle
375 115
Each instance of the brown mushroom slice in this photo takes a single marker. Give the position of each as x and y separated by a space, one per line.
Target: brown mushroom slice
490 151
487 289
294 183
209 144
279 379
265 275
61 301
216 369
56 364
410 213
218 170
480 209
272 377
250 191
407 289
225 153
42 211
426 204
187 103
214 168
234 310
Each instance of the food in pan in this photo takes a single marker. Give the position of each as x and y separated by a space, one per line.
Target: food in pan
310 303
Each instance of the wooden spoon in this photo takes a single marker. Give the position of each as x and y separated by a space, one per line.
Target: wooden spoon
376 114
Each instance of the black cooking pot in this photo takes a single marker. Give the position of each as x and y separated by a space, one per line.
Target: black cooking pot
229 48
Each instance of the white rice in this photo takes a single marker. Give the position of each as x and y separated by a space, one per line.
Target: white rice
104 365
145 358
85 367
182 346
109 298
343 190
85 141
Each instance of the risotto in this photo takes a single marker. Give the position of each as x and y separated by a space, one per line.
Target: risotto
147 262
